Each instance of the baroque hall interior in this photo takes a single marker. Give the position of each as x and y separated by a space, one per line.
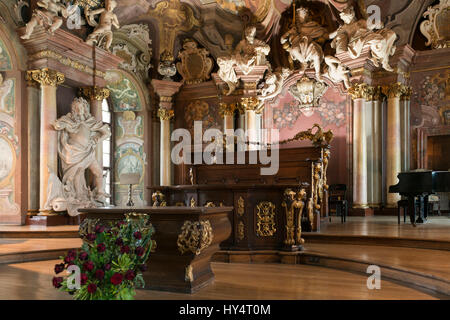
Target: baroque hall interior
246 144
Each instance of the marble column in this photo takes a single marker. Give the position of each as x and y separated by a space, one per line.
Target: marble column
95 96
405 115
250 104
166 90
393 140
165 163
377 140
48 80
227 112
33 144
358 94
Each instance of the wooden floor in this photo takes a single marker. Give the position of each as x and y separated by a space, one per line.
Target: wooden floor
32 280
436 228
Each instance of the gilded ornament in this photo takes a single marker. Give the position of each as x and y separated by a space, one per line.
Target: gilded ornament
46 77
158 199
227 109
241 230
294 204
395 90
193 203
249 103
241 206
165 114
195 65
195 236
435 28
265 219
188 274
94 93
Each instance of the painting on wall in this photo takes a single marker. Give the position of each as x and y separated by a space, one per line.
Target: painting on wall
7 103
201 111
124 94
5 59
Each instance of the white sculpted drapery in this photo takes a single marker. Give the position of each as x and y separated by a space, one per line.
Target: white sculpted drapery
78 135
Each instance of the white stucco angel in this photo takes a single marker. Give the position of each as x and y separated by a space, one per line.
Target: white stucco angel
336 71
250 52
103 29
47 15
79 133
354 35
273 85
301 41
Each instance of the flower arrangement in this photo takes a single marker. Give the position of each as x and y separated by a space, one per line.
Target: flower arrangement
110 261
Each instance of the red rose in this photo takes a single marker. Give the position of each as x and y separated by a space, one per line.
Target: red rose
139 251
125 249
116 279
92 287
83 255
99 274
137 235
59 268
69 259
119 241
107 267
99 229
83 278
72 253
129 275
88 265
91 237
101 247
57 282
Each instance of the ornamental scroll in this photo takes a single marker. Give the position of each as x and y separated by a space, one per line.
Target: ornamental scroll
195 236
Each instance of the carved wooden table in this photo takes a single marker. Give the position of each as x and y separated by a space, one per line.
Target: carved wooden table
186 238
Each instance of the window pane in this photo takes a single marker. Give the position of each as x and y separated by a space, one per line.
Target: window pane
106 117
106 160
106 146
105 106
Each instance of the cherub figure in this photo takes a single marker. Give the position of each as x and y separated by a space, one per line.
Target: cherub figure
354 35
48 15
336 71
108 19
273 85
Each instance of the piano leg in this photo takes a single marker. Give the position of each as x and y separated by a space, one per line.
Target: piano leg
422 208
426 208
412 210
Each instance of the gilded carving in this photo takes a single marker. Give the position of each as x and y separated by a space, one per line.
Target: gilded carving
94 93
46 77
49 54
294 204
188 274
210 204
435 28
193 203
165 114
318 139
359 91
195 65
395 90
241 230
227 109
241 206
265 219
158 199
250 103
195 236
166 66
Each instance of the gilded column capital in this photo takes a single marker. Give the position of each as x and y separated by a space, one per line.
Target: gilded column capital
30 81
227 109
395 90
406 96
249 103
46 77
165 114
94 93
378 93
359 91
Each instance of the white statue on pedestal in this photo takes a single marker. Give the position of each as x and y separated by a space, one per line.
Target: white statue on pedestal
48 15
103 29
250 52
354 35
300 41
79 133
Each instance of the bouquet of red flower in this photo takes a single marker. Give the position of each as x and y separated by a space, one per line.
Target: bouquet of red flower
110 263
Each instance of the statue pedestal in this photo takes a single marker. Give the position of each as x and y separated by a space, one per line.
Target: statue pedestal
186 239
53 220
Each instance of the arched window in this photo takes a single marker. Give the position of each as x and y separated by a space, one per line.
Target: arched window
107 116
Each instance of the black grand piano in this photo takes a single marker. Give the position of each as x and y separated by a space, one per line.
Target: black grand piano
420 184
